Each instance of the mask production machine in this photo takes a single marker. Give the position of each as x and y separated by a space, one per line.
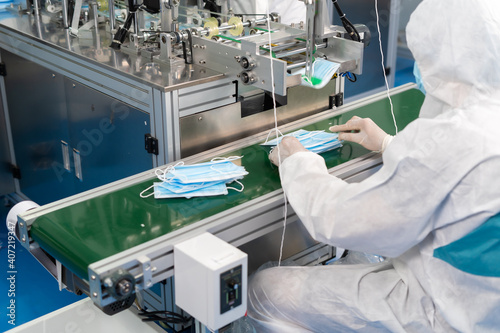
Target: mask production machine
124 88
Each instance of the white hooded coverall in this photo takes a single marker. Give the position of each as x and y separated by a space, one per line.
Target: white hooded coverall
428 208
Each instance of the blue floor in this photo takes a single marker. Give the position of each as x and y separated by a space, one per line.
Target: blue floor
36 291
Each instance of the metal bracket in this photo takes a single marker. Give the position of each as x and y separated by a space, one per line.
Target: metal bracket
16 172
3 69
147 271
23 233
336 100
151 144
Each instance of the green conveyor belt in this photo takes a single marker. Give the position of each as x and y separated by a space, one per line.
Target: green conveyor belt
86 232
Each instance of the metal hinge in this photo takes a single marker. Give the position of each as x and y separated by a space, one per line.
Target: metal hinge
16 172
336 100
151 144
3 69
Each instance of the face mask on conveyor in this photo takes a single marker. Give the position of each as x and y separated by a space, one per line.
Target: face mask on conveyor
315 141
197 180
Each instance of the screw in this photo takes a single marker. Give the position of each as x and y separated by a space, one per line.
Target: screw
203 47
93 277
108 283
200 118
21 224
124 286
94 295
23 239
202 62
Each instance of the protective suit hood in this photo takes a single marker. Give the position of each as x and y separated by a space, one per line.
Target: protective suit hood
457 52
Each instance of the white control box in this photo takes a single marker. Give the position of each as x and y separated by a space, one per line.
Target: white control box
210 280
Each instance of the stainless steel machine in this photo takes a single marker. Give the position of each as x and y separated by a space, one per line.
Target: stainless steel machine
117 89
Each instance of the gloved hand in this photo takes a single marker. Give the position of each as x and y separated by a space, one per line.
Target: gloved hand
288 146
365 132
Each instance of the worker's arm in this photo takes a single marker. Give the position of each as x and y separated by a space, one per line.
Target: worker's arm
388 212
379 215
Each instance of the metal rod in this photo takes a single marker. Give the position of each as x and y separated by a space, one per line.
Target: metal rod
206 31
36 4
296 65
112 19
65 13
297 51
95 15
311 13
288 45
136 23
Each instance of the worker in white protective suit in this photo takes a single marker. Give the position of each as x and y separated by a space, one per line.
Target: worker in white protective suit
432 206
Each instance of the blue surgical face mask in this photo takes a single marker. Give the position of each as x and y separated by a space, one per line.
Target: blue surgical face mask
315 141
418 78
216 170
179 187
322 72
197 180
164 190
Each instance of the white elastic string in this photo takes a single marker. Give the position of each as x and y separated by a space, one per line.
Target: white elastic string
148 195
383 66
161 173
268 134
224 159
237 190
276 129
311 134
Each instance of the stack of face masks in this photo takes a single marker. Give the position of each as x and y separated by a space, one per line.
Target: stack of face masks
197 180
315 141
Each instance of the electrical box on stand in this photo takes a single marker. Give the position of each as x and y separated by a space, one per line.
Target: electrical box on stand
210 280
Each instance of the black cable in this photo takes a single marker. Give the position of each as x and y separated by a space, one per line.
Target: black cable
187 48
348 26
121 34
165 316
350 76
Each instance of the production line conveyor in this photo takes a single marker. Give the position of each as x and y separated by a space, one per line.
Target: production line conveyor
92 241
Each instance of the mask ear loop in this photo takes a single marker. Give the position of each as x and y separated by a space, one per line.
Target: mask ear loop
142 195
225 159
273 130
311 134
237 190
222 160
161 174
